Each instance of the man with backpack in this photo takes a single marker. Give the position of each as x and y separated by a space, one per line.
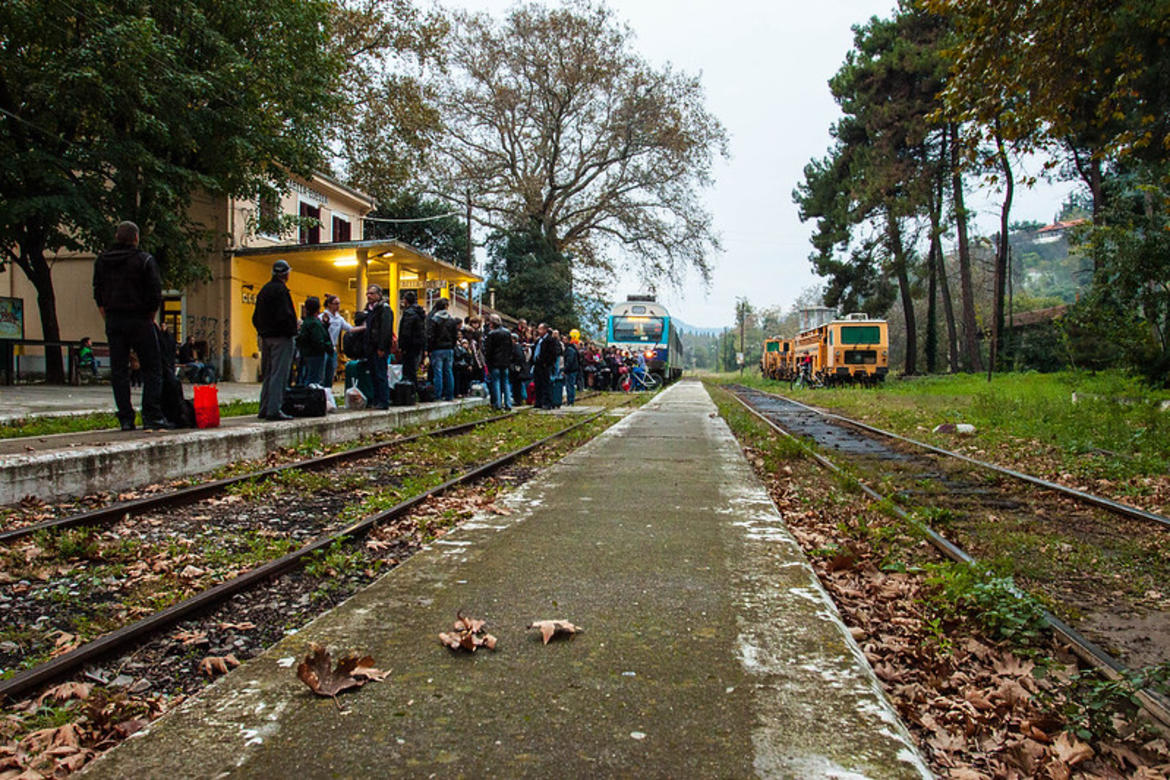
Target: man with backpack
127 288
442 331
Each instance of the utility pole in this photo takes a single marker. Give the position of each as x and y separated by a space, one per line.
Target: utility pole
741 313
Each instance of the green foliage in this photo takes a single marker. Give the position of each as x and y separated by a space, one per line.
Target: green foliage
126 113
532 279
335 561
1002 609
445 237
67 543
118 111
1094 701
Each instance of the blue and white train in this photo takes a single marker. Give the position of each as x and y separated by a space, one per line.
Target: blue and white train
639 324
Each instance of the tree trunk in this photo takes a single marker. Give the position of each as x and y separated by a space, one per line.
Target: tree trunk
32 261
894 235
972 362
1001 253
936 249
931 312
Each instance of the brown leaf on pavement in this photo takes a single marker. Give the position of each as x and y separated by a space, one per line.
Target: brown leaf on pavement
550 628
468 635
352 671
213 664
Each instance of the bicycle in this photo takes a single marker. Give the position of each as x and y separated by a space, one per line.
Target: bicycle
805 379
645 380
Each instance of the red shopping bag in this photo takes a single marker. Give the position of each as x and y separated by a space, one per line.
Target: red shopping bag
206 406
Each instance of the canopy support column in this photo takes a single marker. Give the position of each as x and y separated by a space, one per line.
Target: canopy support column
363 275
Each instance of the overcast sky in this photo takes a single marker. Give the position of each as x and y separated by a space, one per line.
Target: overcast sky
765 66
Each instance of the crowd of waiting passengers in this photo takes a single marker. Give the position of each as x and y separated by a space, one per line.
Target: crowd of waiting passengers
445 357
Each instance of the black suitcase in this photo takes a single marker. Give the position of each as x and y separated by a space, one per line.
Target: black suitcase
304 401
402 394
426 393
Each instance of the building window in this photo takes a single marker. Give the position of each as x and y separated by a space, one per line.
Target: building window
341 229
268 214
310 235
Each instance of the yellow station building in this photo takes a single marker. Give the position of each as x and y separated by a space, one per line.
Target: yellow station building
332 258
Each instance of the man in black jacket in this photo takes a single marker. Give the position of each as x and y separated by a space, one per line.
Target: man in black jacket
497 353
544 360
379 344
412 336
275 321
128 290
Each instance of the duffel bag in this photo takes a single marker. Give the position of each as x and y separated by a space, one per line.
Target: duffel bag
402 394
305 402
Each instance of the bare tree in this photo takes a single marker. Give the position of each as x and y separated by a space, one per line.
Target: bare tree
554 123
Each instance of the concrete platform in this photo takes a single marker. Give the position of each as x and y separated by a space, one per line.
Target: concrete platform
40 400
72 464
710 648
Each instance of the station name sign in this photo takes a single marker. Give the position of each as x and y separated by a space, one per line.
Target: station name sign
313 194
419 284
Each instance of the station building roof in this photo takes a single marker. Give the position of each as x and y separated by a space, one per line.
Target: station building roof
344 258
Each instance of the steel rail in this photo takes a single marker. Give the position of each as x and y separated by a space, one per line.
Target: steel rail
1153 702
194 493
1116 507
38 675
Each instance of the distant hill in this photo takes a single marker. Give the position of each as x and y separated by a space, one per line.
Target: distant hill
697 331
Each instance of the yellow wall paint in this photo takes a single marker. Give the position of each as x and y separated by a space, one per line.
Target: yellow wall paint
245 344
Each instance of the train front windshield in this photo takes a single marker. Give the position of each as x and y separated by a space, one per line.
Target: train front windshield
641 329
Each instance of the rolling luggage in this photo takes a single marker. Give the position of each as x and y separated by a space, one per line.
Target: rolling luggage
305 402
357 372
402 394
558 391
426 393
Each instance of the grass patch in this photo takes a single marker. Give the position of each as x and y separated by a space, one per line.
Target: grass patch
1114 430
98 421
957 590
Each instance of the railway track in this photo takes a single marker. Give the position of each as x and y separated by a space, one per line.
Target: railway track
136 632
174 498
978 501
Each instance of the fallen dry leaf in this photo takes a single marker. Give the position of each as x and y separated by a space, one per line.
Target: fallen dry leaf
67 691
216 663
191 637
352 671
245 626
468 635
550 628
64 642
1071 750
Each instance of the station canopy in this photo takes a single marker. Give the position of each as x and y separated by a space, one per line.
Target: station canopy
392 264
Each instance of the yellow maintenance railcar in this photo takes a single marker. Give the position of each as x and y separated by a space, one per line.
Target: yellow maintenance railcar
834 351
